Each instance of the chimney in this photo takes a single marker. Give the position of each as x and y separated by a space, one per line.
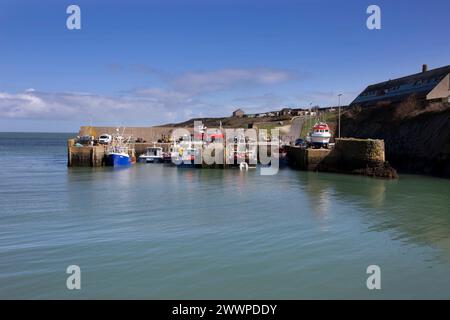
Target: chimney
424 68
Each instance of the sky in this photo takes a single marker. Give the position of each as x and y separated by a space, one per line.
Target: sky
142 63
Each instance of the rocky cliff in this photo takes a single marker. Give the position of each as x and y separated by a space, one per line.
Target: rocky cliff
416 135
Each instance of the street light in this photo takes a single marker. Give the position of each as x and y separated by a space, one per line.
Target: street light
339 107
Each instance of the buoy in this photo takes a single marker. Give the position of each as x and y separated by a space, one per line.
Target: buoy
243 166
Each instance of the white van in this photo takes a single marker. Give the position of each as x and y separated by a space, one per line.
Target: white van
104 139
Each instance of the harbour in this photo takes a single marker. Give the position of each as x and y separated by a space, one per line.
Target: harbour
345 156
293 204
154 231
224 158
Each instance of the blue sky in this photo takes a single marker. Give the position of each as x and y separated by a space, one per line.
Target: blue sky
152 62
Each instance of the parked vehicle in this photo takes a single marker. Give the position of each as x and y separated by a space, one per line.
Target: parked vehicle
85 140
105 139
300 143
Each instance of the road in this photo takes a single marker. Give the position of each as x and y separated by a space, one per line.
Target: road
296 128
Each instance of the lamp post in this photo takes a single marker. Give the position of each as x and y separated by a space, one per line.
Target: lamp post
339 108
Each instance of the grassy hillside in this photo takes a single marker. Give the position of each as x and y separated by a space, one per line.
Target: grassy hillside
228 122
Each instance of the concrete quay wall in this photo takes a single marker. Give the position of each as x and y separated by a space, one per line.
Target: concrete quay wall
355 156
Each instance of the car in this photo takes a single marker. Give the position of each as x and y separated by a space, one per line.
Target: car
105 139
300 143
85 140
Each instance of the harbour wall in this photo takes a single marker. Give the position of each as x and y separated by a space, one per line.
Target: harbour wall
85 156
354 156
148 134
140 148
95 156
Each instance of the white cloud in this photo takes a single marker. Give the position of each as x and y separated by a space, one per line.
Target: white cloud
178 99
229 78
44 105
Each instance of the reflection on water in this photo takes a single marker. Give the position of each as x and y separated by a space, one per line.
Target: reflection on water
356 189
155 231
415 208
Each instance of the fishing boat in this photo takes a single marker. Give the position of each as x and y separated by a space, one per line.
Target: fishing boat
214 135
118 157
152 155
188 158
184 153
209 135
117 154
167 157
242 149
319 136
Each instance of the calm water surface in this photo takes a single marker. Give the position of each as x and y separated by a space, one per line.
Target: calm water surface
154 231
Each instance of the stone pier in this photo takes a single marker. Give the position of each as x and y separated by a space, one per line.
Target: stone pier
355 156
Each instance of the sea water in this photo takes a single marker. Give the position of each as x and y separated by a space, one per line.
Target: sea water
155 231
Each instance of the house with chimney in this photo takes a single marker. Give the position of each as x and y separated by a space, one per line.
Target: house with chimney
429 85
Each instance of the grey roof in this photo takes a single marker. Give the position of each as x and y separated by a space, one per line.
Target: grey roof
420 83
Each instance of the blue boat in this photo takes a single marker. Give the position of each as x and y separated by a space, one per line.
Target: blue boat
117 154
118 159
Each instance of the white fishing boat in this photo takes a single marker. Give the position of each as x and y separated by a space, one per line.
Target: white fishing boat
320 135
152 155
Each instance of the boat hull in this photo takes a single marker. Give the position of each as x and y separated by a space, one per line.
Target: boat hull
118 160
151 159
184 163
188 165
320 139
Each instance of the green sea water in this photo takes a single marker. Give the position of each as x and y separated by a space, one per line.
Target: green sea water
157 232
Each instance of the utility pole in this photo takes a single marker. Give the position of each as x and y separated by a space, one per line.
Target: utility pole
339 121
310 116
